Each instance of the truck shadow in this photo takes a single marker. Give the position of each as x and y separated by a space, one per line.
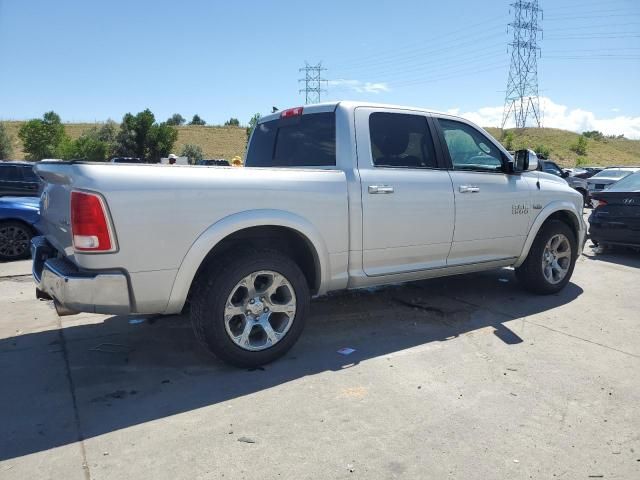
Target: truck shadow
116 374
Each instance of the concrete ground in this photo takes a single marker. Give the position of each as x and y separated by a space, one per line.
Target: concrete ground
466 377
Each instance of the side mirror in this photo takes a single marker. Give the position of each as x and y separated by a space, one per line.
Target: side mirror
565 174
524 160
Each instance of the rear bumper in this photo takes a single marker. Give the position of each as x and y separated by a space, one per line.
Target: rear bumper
614 233
75 290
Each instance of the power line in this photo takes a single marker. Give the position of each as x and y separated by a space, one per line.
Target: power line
521 99
312 82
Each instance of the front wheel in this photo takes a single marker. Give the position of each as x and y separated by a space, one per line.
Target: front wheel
551 260
251 308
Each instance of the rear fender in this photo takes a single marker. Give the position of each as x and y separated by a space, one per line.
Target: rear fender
234 223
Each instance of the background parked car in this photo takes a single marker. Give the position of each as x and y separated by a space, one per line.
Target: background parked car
18 217
588 172
221 162
578 184
125 160
17 179
616 217
606 177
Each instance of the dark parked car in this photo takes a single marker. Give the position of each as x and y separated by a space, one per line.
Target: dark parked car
578 184
616 217
220 162
17 179
18 217
588 172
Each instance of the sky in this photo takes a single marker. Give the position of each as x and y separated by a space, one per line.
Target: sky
90 60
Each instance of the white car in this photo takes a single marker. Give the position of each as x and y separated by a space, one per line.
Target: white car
608 176
335 196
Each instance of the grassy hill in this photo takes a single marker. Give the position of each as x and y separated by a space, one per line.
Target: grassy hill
215 141
619 151
227 142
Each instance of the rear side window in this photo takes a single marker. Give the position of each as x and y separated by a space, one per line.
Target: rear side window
401 140
28 174
304 141
10 173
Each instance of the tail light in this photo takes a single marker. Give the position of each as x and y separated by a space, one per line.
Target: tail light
90 225
598 203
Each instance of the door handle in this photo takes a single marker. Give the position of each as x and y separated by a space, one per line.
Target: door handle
469 189
373 189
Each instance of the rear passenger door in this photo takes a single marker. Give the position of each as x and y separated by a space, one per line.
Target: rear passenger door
493 207
407 197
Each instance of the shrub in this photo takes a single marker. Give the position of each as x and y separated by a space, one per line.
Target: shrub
232 122
543 151
6 149
193 152
580 147
581 161
507 140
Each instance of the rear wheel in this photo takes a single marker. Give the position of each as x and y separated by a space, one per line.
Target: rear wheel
15 238
252 308
551 260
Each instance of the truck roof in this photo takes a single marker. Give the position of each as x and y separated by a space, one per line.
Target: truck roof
350 104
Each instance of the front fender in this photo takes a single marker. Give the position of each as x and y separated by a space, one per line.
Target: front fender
545 213
234 223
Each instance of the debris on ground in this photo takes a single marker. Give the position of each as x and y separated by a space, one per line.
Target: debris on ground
247 440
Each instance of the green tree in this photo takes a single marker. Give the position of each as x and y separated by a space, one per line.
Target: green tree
6 149
193 152
160 141
252 124
196 120
176 119
232 122
580 147
41 138
140 136
594 135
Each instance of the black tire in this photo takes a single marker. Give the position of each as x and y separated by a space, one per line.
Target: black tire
530 273
216 285
15 240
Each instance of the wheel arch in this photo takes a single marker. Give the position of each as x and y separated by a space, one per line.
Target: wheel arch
278 229
562 211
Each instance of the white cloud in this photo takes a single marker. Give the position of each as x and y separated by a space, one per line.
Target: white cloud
360 86
555 115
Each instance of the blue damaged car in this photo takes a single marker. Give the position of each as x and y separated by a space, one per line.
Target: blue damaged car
18 218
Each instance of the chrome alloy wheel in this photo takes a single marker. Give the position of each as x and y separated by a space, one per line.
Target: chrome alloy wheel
556 258
260 310
14 241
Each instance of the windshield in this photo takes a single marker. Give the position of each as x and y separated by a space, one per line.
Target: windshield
613 173
628 184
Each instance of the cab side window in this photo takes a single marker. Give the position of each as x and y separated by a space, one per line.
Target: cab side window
469 149
401 141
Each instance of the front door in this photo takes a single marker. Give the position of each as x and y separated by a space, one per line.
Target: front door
493 208
407 198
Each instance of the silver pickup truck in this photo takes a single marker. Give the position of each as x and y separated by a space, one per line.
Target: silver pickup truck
334 196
